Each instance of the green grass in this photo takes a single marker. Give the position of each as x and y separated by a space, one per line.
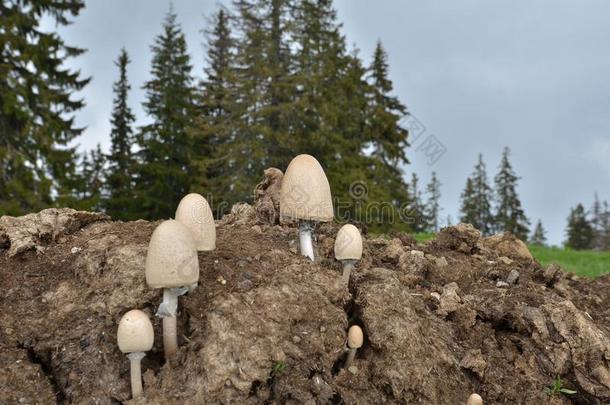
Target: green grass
582 262
423 237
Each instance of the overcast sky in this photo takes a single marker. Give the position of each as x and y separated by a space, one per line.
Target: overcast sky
479 75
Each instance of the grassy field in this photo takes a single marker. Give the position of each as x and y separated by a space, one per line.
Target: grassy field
584 262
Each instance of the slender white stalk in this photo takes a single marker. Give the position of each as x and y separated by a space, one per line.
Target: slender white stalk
135 360
305 242
167 310
350 358
348 265
170 336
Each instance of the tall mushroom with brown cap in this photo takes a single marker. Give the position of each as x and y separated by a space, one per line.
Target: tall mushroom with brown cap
195 213
348 248
474 399
355 338
305 196
171 264
135 337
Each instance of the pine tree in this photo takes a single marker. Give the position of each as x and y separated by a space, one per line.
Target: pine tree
605 226
476 206
90 189
509 215
387 138
36 106
597 223
579 231
416 206
383 133
433 208
212 131
121 165
165 145
539 236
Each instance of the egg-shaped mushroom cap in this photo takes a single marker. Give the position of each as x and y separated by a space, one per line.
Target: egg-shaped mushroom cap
355 337
474 399
171 260
195 213
135 332
348 244
305 192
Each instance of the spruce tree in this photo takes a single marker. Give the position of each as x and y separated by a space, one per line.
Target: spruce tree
165 146
212 131
416 206
121 164
509 215
605 226
383 132
387 138
476 206
91 174
36 106
597 223
579 231
539 236
433 208
260 81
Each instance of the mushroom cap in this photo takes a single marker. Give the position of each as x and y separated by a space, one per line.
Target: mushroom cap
355 337
305 192
195 213
474 399
171 260
348 243
135 332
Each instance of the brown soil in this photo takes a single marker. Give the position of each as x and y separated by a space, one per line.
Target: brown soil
265 325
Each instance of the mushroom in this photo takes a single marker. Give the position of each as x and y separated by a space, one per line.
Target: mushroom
474 399
305 196
194 212
171 264
354 342
348 248
135 336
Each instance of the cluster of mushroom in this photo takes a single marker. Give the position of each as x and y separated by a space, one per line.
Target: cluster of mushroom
173 265
172 261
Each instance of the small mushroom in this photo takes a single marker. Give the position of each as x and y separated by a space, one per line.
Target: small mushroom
171 264
135 337
474 399
354 342
348 248
195 213
305 196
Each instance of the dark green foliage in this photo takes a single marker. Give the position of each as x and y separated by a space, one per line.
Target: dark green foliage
280 82
476 206
579 231
600 222
91 181
212 132
121 164
509 215
433 208
36 106
539 236
165 145
416 206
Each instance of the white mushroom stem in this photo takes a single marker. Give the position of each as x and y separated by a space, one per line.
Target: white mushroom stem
135 360
350 357
167 310
348 265
305 238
